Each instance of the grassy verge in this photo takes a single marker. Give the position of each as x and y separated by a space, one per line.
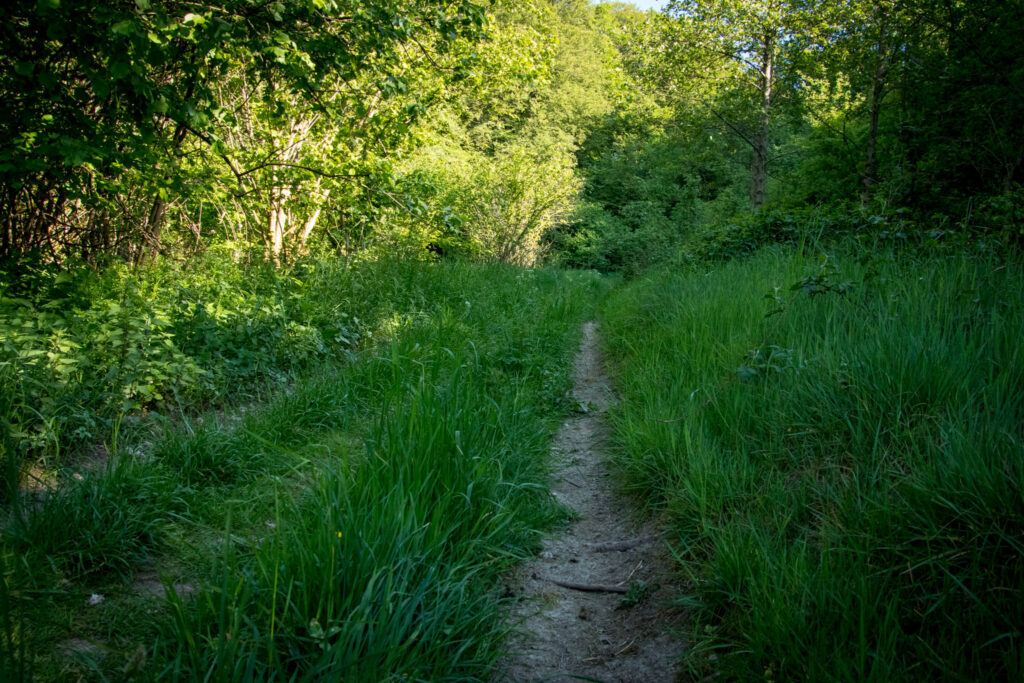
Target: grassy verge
838 442
351 527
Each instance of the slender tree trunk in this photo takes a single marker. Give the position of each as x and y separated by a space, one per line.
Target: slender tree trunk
868 174
7 231
152 231
877 92
278 221
310 225
759 168
154 226
759 164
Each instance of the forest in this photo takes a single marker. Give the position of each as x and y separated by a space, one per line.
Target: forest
290 293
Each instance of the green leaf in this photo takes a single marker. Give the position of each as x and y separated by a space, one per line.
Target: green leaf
123 28
101 87
119 70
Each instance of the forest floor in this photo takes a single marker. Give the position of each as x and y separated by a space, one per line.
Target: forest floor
596 604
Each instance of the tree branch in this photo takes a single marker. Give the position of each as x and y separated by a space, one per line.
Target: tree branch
734 129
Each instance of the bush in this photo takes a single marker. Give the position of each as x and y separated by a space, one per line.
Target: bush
82 349
495 207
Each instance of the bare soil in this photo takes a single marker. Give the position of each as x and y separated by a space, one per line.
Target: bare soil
149 583
596 605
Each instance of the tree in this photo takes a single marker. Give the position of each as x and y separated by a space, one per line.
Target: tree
748 47
923 91
854 71
105 101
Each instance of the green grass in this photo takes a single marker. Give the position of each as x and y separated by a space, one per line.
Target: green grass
838 443
350 524
101 522
836 439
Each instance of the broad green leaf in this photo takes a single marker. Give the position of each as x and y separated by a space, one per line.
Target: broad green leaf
124 27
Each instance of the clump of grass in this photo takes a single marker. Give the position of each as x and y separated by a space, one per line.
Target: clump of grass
13 641
838 440
106 521
381 568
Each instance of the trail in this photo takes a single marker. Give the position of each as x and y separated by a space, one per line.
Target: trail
575 618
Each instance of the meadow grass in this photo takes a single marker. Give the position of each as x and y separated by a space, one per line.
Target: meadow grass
351 525
837 440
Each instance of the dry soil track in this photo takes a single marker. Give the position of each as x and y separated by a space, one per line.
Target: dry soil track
576 619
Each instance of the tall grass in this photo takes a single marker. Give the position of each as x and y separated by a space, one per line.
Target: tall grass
353 526
103 522
384 566
838 440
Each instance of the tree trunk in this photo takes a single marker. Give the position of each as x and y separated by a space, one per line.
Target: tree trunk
154 226
759 168
152 231
313 218
759 164
877 92
278 221
7 231
868 174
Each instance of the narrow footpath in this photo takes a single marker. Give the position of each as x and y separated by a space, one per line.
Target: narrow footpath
595 606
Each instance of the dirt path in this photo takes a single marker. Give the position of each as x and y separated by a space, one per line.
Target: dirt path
566 633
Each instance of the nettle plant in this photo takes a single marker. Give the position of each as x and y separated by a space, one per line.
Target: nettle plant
74 367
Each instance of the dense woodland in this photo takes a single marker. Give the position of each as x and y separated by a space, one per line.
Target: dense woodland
249 250
515 132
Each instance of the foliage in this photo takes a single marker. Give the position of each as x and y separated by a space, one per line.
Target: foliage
895 103
641 199
113 113
745 52
499 169
497 207
84 350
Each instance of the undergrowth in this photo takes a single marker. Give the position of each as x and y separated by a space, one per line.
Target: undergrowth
351 526
837 437
91 355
